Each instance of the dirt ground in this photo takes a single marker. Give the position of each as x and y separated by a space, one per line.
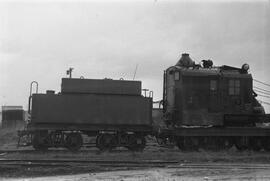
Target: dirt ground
114 173
161 174
8 139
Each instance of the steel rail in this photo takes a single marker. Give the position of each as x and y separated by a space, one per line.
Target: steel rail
132 164
89 161
80 151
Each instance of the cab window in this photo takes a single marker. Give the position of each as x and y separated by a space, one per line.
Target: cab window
234 87
176 76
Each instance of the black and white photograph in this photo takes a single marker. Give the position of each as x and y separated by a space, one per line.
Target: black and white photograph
134 90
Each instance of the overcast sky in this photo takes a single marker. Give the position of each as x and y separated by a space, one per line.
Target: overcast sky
40 41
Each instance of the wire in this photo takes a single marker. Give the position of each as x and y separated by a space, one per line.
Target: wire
135 71
263 96
261 82
262 92
267 103
261 89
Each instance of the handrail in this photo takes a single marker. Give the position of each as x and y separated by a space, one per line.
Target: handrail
31 87
151 94
30 96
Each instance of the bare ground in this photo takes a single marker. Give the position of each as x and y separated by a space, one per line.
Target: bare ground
231 156
8 138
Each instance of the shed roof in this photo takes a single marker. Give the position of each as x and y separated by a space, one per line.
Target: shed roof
7 108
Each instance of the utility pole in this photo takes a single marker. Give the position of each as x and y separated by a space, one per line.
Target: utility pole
145 90
135 71
69 72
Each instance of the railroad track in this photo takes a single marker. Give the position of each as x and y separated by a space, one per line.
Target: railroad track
91 149
89 161
51 150
128 163
108 163
62 151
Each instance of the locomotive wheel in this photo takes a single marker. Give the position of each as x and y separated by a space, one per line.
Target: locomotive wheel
255 143
211 143
40 141
106 142
188 143
241 143
161 141
266 143
216 143
222 143
136 143
74 141
227 143
180 143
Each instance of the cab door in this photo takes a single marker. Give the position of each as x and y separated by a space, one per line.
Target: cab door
214 101
234 95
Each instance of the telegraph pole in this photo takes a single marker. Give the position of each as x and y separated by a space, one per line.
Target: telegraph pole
69 72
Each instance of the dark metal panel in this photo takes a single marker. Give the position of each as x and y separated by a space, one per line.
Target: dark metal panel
229 74
238 120
169 96
245 131
88 127
92 109
157 115
199 72
104 86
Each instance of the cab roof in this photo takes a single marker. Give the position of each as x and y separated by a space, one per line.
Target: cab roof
225 71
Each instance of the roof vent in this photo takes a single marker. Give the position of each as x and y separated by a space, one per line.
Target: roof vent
185 61
50 92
